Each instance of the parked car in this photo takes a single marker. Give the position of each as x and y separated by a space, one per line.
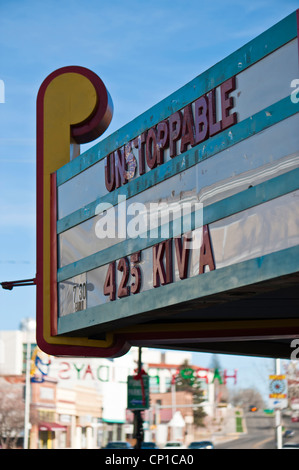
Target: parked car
149 445
288 433
290 446
118 445
201 445
174 445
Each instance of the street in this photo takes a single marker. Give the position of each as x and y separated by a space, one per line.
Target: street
261 433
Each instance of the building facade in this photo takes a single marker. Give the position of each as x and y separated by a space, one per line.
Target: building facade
82 402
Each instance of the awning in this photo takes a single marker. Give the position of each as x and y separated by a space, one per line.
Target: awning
43 426
114 421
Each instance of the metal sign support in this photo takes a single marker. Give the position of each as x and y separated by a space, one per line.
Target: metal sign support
278 428
138 421
9 285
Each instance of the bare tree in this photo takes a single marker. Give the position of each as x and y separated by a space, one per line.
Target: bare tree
11 413
247 397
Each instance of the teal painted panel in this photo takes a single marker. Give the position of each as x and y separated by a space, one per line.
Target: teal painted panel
252 52
260 269
263 192
224 140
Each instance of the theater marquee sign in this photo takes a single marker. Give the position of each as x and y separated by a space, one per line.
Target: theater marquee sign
190 126
174 230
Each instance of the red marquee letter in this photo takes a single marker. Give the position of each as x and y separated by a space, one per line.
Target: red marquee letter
201 120
175 131
227 103
206 256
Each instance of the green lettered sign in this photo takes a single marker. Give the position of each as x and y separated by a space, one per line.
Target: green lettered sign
138 395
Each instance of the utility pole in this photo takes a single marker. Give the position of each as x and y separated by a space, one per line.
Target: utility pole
27 328
278 412
27 393
173 403
138 421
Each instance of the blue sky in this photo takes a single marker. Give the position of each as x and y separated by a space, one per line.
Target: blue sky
142 50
